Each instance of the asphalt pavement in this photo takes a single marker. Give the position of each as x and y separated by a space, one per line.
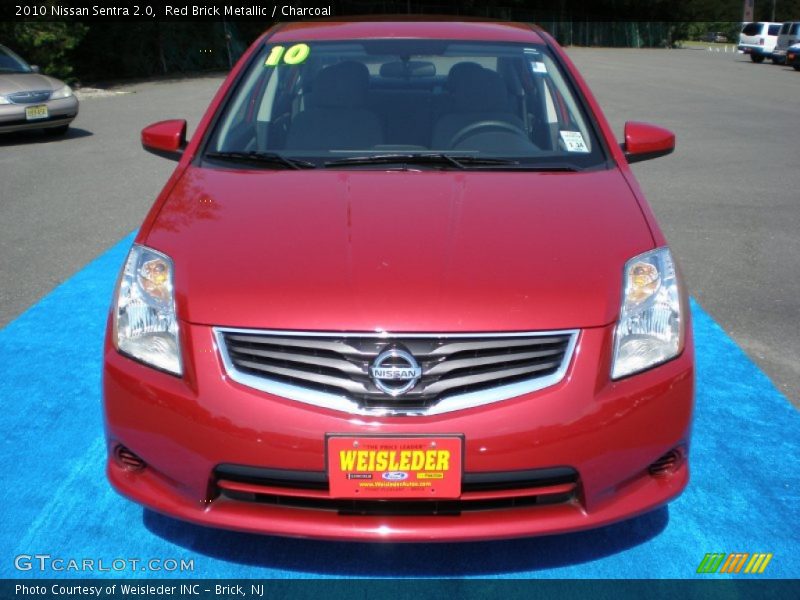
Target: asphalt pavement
64 201
728 199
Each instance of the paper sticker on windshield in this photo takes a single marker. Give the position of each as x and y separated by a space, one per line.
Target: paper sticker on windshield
539 67
573 141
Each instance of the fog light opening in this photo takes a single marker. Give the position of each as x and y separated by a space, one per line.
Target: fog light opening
128 460
667 464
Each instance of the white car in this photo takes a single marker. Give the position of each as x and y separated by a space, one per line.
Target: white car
759 39
788 35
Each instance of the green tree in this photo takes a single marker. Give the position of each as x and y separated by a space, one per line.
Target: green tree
48 44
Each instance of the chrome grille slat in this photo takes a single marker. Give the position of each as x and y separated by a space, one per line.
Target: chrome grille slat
332 370
464 363
452 348
331 363
351 386
447 384
316 344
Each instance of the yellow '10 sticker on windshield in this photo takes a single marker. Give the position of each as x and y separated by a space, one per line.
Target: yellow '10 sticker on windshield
294 55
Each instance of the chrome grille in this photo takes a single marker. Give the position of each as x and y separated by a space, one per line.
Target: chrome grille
29 97
333 369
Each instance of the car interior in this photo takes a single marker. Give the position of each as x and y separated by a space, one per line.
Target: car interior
500 105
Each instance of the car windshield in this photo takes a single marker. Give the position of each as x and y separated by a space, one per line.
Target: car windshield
11 63
497 105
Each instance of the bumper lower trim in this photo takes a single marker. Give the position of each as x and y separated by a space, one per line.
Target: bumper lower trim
637 497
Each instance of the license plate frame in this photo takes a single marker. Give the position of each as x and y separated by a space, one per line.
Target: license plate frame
395 467
36 113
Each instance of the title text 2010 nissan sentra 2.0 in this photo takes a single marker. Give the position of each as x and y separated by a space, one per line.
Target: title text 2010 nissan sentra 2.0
401 286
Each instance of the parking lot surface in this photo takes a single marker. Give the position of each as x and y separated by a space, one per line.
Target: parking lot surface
728 199
66 200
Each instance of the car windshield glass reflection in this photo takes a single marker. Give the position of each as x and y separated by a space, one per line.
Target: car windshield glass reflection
11 63
327 102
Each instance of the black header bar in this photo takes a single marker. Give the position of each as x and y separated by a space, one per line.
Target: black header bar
388 589
271 10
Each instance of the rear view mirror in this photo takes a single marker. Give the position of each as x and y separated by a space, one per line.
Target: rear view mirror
644 141
165 138
35 69
408 69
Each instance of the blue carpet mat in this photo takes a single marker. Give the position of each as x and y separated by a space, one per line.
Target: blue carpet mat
743 496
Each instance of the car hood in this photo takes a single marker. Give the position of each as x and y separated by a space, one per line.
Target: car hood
22 82
365 250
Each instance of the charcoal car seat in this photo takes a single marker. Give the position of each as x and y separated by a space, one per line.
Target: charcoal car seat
479 95
336 116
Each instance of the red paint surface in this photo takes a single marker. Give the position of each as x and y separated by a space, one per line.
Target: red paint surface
168 136
644 138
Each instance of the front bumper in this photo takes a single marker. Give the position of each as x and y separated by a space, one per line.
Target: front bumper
609 432
60 112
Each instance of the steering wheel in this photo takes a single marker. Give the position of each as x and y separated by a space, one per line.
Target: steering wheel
472 128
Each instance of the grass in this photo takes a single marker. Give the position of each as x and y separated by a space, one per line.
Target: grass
694 44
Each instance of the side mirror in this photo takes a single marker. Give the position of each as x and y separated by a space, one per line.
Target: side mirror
165 138
644 141
35 69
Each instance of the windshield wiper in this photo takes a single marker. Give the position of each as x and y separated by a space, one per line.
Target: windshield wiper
459 162
263 158
547 167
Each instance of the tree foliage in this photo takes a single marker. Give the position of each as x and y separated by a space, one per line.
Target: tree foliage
50 45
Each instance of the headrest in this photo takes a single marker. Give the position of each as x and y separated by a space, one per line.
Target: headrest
341 85
458 71
480 91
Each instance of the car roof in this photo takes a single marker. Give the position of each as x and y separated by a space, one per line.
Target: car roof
382 29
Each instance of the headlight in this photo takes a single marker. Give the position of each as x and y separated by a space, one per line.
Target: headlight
145 325
4 100
650 326
64 92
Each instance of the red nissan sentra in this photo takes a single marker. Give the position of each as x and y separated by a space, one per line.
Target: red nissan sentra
401 286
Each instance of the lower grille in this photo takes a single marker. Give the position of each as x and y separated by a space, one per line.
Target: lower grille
480 491
401 508
409 373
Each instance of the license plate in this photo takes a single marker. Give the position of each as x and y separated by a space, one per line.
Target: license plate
36 112
389 468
